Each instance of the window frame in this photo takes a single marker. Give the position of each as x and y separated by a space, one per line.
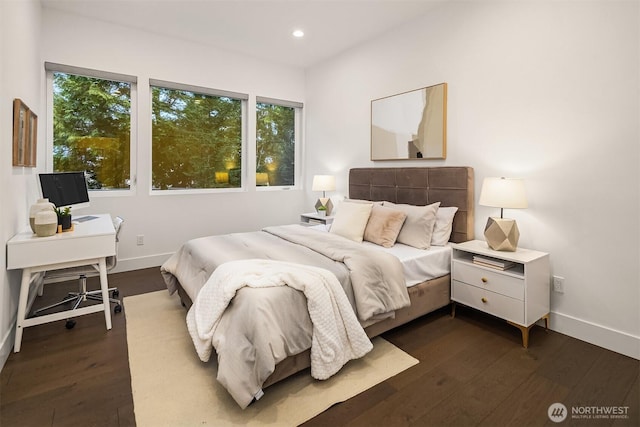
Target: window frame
242 97
298 132
50 69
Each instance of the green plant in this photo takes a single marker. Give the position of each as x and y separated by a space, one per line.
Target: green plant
63 211
322 208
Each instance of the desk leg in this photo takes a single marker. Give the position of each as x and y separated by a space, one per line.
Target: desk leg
22 308
104 286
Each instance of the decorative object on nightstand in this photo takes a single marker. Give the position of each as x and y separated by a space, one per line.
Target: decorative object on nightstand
502 234
514 286
324 183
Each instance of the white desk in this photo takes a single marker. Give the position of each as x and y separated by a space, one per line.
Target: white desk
90 243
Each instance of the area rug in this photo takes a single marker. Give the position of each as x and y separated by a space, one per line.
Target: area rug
172 387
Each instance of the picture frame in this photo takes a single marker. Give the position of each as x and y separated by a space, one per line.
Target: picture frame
410 125
25 134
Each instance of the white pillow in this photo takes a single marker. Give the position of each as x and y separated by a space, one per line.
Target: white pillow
418 227
351 220
444 224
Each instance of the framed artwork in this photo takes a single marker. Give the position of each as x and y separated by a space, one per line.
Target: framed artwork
25 135
410 125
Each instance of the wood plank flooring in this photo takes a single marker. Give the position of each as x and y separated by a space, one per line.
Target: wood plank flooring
473 371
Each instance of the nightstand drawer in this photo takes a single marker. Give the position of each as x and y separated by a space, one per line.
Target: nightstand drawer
490 302
494 281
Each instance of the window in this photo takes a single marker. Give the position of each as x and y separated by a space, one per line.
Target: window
92 124
277 133
197 136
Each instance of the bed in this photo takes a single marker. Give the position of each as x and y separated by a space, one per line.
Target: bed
192 266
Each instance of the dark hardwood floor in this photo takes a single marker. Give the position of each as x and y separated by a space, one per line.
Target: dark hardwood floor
472 371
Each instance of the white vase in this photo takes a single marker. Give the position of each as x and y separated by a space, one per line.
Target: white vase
40 205
46 223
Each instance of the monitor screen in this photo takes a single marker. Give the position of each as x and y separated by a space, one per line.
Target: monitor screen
65 188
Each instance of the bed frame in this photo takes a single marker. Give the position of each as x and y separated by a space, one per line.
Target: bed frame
449 185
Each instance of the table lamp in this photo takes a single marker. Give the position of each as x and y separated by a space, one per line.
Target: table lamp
324 183
502 234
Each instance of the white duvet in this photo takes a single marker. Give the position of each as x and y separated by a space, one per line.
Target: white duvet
337 335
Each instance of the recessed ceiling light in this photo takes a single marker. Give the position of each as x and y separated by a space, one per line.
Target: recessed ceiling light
298 33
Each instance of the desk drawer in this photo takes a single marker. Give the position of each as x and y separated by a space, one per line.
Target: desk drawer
490 302
494 281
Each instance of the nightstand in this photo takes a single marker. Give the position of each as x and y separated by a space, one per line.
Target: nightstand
516 289
313 218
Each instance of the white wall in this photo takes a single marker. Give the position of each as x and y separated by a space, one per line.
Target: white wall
20 77
546 91
167 221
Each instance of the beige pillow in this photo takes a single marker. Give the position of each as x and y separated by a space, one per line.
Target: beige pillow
384 226
351 220
418 227
443 226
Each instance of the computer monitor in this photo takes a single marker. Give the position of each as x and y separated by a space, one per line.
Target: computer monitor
65 189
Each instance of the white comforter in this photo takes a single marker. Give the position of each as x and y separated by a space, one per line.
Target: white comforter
337 335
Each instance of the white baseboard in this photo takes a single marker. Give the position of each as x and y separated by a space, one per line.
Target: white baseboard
139 263
602 336
7 345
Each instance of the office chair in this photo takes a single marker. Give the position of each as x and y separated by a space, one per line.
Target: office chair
81 272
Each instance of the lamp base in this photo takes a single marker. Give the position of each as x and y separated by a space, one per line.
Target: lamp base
326 202
502 234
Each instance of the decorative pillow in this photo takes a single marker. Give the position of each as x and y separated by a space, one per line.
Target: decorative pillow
444 224
351 220
418 227
384 226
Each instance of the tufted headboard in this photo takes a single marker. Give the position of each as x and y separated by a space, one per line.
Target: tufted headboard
449 185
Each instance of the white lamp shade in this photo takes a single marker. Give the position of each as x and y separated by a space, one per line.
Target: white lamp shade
323 183
503 193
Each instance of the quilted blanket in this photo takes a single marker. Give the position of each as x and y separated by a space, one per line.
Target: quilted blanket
337 336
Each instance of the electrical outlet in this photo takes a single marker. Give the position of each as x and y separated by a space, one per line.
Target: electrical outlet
558 284
140 239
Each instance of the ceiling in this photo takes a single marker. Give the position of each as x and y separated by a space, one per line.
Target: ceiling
259 28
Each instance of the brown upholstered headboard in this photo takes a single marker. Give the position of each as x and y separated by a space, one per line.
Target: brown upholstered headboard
449 185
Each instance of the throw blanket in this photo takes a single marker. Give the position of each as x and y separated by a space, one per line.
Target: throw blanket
337 336
377 278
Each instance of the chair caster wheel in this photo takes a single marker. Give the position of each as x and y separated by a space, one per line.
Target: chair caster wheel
117 308
115 293
70 324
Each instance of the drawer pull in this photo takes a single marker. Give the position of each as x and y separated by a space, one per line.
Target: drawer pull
484 300
484 280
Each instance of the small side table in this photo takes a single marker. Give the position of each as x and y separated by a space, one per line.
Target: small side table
518 293
313 218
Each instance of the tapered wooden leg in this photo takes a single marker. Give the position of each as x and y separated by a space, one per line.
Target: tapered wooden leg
546 321
453 309
525 330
